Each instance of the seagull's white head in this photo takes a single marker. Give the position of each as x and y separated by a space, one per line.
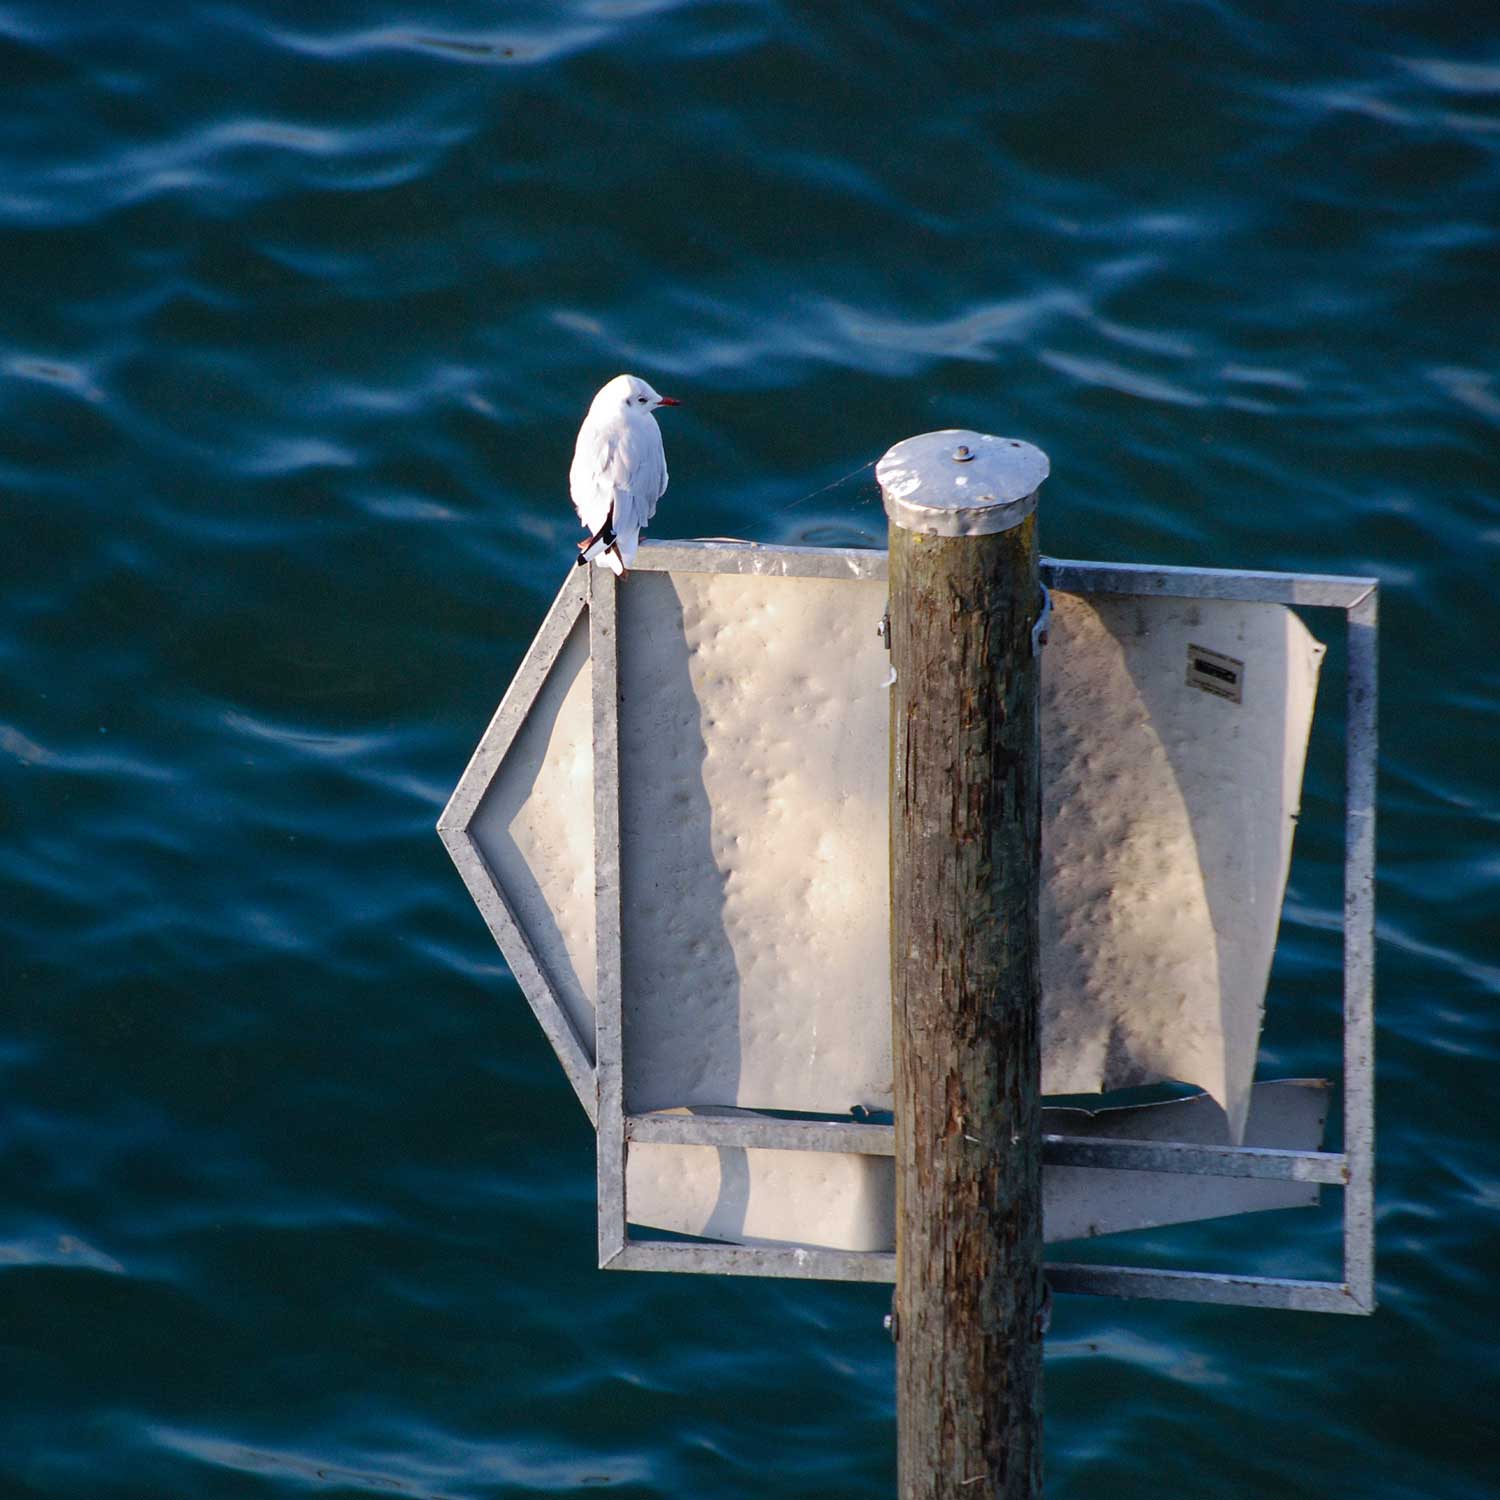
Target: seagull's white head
631 395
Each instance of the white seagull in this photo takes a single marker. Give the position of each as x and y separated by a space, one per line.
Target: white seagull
619 471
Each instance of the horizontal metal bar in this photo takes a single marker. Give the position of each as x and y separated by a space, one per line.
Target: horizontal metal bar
1316 589
1261 1162
1071 575
1202 1286
765 1131
729 556
755 1260
1100 1152
1067 1277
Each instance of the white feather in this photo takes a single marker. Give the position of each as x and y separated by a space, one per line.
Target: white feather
619 469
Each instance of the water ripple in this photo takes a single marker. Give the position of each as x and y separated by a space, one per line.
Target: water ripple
302 310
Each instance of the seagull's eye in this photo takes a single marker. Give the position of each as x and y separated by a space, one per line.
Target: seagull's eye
641 399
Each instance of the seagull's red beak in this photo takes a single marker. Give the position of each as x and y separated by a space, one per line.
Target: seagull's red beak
668 401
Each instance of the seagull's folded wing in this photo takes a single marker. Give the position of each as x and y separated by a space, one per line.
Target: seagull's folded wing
592 478
648 468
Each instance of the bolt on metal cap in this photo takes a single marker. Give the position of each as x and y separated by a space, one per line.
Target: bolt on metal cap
958 483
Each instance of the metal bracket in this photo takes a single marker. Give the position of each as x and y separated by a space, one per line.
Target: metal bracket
1043 621
597 1071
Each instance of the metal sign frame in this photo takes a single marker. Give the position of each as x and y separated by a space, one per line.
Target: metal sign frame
597 1072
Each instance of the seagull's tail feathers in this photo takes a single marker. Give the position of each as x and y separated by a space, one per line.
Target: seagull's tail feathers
603 541
604 551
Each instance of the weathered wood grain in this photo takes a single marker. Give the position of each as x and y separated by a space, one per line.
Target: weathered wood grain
965 858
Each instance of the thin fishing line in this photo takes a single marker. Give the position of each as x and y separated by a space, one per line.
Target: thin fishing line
815 493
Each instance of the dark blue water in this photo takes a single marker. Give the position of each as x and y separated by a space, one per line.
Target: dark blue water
301 306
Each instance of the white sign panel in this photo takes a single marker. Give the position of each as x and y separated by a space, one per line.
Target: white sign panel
754 732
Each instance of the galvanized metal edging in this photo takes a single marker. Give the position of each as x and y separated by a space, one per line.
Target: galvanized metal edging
1084 1280
1259 1162
494 745
1101 1152
524 964
724 555
794 1261
609 1063
1359 948
766 1132
1070 575
1315 590
1203 1286
487 892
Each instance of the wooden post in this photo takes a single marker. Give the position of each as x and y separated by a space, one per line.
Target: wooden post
965 985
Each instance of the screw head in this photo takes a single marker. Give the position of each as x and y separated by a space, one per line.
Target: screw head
962 454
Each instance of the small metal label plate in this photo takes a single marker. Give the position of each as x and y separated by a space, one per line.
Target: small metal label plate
1215 673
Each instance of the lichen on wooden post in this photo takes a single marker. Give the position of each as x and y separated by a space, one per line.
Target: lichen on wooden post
965 975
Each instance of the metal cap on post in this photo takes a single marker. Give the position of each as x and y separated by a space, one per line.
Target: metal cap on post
958 483
965 969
